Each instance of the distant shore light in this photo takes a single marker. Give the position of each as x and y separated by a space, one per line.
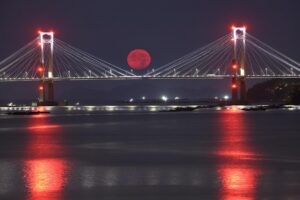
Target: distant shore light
164 98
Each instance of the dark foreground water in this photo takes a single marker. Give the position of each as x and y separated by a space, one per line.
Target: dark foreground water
226 155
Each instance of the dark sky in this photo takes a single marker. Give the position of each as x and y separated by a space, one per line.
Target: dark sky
168 29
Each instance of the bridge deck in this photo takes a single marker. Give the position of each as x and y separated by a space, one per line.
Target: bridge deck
149 78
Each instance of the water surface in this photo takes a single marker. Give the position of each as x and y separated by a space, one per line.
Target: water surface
209 154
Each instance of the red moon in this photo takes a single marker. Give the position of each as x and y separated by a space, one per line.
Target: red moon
139 59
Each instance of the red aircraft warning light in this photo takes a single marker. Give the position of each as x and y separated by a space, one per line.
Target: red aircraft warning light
40 69
41 88
234 86
42 32
234 65
239 33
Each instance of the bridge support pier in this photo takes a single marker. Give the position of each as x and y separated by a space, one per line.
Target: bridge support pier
50 91
41 88
46 100
243 91
234 91
238 90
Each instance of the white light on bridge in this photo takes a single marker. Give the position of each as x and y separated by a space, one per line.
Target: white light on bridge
164 98
242 71
226 97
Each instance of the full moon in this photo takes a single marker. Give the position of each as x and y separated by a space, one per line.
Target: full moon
139 59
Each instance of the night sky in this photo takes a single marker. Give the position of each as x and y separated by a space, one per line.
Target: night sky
110 29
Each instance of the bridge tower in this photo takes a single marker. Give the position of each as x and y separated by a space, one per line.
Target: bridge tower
239 39
46 42
234 82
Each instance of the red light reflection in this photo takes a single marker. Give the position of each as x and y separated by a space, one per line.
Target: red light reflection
45 178
41 109
44 173
237 170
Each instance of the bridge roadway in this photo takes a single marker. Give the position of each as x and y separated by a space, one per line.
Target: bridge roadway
101 78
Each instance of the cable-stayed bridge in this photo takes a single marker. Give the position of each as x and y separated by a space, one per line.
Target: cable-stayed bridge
215 60
237 55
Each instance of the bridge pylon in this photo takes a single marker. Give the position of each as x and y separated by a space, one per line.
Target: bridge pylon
46 42
239 62
234 83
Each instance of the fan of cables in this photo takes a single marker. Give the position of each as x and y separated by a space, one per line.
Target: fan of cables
263 60
212 60
215 60
68 63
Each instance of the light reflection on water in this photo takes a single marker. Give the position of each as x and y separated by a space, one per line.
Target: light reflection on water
211 152
45 175
238 168
45 178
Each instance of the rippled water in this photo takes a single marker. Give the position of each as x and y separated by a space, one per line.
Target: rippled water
209 154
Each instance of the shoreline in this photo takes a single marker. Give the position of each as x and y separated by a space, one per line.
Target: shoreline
146 108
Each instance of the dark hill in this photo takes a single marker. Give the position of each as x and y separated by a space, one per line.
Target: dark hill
285 91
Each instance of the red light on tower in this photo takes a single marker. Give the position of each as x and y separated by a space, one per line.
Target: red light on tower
40 69
234 65
234 86
41 88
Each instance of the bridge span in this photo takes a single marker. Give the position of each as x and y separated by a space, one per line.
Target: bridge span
237 56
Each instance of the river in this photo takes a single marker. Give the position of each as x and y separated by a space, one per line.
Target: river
90 153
